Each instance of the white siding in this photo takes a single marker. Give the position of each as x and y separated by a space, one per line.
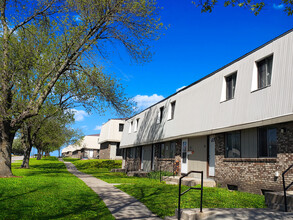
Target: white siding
110 131
200 110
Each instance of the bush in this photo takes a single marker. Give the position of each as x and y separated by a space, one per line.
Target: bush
156 174
97 163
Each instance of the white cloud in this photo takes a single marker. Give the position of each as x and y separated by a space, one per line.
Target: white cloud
79 115
180 88
278 7
144 101
98 128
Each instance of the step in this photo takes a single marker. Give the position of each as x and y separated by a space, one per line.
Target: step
189 181
275 200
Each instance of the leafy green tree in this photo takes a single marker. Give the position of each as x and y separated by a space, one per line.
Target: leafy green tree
46 46
53 134
254 6
17 147
33 130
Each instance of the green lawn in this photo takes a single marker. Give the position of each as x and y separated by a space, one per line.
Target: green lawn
48 191
162 199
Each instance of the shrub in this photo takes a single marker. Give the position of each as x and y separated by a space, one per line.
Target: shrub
97 163
156 174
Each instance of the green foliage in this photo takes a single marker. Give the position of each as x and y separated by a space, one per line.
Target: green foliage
162 199
17 148
156 174
95 163
254 6
48 191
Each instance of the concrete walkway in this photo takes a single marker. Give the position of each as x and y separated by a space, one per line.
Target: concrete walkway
233 214
120 204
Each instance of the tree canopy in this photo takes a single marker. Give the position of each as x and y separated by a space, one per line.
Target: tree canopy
48 47
254 6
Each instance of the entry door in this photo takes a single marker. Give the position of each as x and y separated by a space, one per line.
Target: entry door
212 155
91 153
146 158
184 159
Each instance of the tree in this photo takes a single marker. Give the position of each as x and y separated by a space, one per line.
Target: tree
33 130
46 45
17 147
254 5
53 134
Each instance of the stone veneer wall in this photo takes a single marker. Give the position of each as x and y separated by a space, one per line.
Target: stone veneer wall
165 163
96 153
105 151
256 174
132 164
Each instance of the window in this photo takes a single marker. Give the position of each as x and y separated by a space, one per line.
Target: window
230 86
171 110
121 127
118 150
172 150
130 126
267 142
233 144
136 125
161 114
131 152
264 72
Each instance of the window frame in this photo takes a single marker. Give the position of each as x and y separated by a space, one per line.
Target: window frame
268 62
161 114
238 132
230 81
260 142
119 129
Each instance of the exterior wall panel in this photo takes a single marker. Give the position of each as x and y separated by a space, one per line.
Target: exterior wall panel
199 110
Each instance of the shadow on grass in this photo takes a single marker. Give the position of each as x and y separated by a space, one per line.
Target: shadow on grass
3 198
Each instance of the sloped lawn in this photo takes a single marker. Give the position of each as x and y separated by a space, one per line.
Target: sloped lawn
48 191
162 199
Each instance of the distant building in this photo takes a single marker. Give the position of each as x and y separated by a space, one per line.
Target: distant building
88 146
110 137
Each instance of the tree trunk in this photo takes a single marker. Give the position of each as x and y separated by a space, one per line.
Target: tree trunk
47 154
26 157
39 154
6 139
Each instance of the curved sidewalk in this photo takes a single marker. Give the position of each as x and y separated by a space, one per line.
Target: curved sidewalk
120 204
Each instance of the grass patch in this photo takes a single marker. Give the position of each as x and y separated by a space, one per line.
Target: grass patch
48 191
162 199
95 163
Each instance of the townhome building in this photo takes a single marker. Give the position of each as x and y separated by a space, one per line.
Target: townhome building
87 147
235 124
110 137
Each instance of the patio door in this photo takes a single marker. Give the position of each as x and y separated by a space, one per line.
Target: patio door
212 155
184 159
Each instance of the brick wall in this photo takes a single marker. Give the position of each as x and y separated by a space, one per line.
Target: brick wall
133 164
256 174
96 153
105 151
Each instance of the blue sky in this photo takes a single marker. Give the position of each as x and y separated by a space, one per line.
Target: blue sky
194 45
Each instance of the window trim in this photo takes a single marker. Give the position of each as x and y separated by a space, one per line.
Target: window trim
226 85
120 126
255 75
225 152
258 141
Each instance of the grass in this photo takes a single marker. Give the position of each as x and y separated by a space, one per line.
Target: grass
48 191
162 199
